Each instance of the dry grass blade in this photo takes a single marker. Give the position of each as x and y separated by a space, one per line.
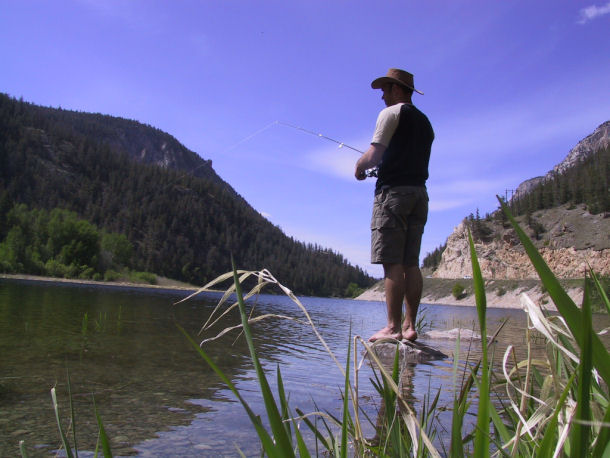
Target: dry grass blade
208 287
250 321
545 327
412 423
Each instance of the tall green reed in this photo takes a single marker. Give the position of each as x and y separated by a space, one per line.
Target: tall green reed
554 406
71 451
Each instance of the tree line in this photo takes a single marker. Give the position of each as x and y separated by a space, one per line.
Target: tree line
587 182
180 226
59 244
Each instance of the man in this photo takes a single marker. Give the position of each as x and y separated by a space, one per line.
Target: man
401 149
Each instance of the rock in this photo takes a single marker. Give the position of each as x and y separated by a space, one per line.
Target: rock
501 259
410 352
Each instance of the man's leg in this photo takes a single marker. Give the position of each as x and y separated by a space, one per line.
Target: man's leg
413 290
395 291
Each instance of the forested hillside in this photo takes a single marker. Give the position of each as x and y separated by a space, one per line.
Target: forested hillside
586 182
127 178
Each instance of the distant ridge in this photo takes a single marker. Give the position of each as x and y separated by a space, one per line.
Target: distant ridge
599 139
182 218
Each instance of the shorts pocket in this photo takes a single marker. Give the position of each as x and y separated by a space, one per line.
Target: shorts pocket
383 220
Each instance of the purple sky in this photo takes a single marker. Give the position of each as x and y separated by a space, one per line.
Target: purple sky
510 88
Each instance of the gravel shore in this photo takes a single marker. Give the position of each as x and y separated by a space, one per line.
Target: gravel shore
506 299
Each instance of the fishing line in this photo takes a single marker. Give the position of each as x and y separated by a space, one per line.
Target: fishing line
371 172
341 144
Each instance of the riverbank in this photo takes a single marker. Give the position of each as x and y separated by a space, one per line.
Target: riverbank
438 291
162 282
499 293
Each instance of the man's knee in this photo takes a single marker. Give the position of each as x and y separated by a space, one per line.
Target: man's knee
393 270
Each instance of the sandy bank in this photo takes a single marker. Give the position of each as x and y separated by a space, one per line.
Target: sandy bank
162 283
510 299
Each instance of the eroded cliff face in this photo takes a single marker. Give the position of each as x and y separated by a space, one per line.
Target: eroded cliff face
505 258
569 238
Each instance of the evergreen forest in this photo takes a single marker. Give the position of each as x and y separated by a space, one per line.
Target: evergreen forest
587 182
78 198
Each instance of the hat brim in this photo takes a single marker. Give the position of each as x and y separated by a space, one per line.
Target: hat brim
379 82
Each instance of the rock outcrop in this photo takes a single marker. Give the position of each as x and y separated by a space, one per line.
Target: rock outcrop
569 238
504 258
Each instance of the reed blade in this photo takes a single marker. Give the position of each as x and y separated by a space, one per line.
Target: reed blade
103 438
263 435
273 414
602 443
22 449
314 429
283 402
481 439
551 432
64 439
346 391
72 416
581 428
565 305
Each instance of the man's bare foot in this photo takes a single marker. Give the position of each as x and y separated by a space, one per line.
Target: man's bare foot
386 333
409 334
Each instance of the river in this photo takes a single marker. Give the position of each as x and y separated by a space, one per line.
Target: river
122 348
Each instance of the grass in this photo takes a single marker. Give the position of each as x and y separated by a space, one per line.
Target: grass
555 406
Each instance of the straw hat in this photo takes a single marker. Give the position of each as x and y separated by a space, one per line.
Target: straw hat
397 76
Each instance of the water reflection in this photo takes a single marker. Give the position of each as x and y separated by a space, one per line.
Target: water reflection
121 348
157 396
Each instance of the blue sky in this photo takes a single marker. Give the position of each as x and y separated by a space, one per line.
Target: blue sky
510 87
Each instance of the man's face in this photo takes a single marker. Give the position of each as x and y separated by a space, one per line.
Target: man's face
388 96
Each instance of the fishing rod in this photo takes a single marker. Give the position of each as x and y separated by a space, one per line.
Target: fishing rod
369 173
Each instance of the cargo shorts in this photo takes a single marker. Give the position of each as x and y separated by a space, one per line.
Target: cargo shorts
399 216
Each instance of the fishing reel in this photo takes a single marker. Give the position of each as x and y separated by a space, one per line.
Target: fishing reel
371 172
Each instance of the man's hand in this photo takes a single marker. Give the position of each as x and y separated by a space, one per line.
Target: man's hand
368 160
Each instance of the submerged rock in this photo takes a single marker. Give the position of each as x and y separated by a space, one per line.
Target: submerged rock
410 352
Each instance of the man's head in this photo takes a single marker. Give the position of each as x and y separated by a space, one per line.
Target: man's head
394 93
397 86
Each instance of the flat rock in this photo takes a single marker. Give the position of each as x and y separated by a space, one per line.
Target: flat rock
410 352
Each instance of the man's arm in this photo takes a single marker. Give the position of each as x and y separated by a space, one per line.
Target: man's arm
369 159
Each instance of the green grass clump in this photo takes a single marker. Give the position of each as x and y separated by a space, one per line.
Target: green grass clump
458 291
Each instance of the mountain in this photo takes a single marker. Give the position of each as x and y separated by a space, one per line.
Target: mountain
598 140
566 213
183 220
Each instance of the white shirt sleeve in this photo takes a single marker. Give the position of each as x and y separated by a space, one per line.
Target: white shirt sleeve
387 122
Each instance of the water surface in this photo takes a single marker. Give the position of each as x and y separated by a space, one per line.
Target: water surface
156 396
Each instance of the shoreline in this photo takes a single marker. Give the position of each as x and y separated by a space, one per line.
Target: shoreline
508 300
165 284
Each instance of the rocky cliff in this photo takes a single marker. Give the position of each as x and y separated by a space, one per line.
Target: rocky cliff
568 237
574 240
